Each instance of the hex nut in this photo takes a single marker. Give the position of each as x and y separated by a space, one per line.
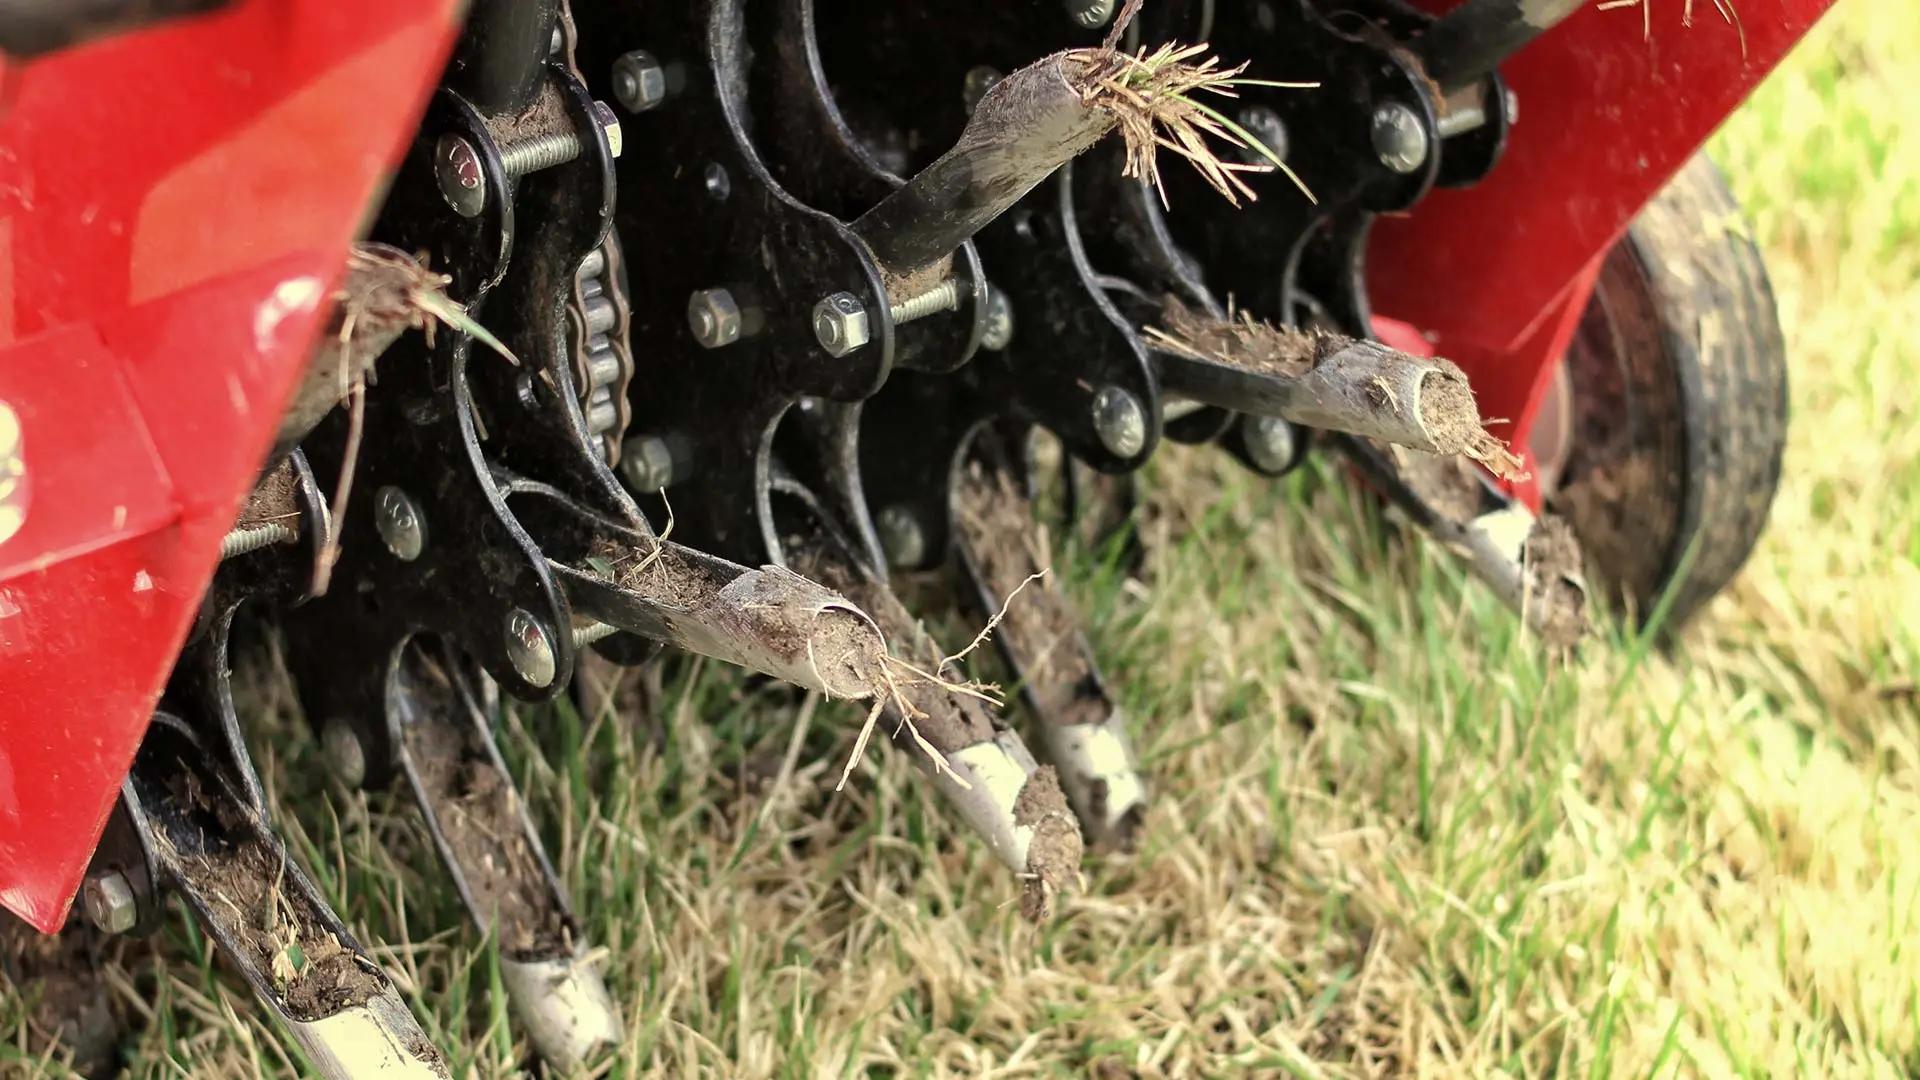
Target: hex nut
840 324
1270 442
647 463
639 82
714 317
901 537
109 902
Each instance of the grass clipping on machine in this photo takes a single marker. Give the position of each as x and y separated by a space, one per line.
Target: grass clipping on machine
384 293
1155 99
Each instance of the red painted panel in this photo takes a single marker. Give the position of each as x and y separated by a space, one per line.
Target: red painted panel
174 206
1609 111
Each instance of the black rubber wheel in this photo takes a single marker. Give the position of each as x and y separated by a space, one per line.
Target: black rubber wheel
1672 413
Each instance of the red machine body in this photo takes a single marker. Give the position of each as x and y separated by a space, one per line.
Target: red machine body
176 204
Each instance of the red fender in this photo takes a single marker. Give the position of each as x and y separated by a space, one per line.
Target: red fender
175 205
1612 104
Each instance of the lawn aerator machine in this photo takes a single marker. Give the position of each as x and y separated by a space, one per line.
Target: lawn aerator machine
449 343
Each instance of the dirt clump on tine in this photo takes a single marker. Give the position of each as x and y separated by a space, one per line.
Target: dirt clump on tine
948 717
1241 341
1446 404
273 500
782 613
245 886
1553 574
479 817
1040 631
952 722
1053 856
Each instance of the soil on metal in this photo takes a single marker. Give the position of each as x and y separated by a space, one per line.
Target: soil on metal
1553 570
272 500
546 116
478 814
1242 342
660 574
840 645
1040 632
902 287
1053 857
279 930
953 721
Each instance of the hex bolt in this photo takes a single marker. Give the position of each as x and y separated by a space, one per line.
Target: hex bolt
456 166
109 902
1090 14
346 759
463 183
975 84
647 463
901 536
714 317
999 331
1263 124
1400 138
942 297
539 152
1270 442
529 648
401 525
639 82
841 325
717 183
584 636
1119 421
255 537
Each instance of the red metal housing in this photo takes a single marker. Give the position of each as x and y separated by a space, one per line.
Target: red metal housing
175 205
1612 103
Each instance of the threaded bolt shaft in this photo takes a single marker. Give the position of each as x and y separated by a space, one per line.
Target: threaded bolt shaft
539 152
241 541
584 636
942 297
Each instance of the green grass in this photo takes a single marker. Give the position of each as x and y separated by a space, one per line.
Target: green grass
1388 837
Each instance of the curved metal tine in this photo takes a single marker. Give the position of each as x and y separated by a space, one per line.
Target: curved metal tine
987 773
1532 563
487 842
209 845
1080 725
768 620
